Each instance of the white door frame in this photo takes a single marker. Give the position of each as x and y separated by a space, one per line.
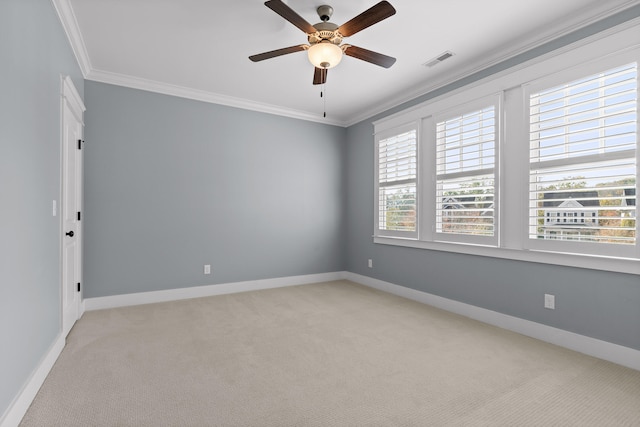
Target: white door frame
71 103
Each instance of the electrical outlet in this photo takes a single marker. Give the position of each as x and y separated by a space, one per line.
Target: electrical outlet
370 263
207 269
550 301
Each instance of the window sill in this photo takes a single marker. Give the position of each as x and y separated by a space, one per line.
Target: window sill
593 262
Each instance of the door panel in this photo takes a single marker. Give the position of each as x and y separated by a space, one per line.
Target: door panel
72 129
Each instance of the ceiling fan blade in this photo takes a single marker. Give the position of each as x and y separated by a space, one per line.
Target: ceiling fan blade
371 16
320 76
369 56
277 52
290 15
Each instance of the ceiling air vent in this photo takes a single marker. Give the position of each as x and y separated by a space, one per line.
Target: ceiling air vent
438 59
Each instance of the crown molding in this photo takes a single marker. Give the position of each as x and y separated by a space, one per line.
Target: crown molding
71 28
560 29
518 47
204 96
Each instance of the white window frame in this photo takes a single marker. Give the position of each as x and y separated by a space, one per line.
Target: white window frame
564 77
430 141
513 205
380 136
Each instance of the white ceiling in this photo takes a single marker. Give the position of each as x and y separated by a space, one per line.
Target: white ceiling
199 48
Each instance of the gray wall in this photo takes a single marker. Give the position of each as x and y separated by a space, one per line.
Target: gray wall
597 304
172 184
34 52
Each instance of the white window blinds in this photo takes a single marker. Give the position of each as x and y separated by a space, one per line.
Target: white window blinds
397 201
465 165
583 138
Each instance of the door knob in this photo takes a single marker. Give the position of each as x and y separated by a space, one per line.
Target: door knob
70 233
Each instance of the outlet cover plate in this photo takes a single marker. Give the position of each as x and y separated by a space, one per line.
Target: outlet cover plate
550 301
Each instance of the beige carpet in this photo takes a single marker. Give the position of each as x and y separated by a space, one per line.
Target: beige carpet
328 354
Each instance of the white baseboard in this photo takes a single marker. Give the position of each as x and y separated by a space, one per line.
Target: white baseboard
615 353
114 301
20 404
18 408
593 347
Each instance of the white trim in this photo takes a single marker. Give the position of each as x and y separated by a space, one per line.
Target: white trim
433 85
72 30
597 348
511 231
70 93
593 262
552 32
432 140
204 96
381 136
70 97
571 56
16 410
214 98
100 303
615 353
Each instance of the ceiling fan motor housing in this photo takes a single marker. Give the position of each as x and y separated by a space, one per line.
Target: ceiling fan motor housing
326 31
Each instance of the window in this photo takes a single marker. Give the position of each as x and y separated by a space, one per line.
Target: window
583 138
397 184
466 146
538 163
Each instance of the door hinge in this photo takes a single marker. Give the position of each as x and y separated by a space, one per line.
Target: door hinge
79 216
78 286
80 142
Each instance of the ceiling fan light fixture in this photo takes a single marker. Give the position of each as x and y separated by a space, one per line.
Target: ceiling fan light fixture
325 54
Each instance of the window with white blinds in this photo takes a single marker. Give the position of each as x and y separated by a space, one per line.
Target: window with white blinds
582 161
465 179
397 173
538 164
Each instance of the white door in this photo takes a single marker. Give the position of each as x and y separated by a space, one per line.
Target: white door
71 203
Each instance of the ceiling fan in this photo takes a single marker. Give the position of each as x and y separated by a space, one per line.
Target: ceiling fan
324 48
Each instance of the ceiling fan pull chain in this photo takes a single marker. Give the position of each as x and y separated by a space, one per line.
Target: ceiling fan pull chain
324 100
